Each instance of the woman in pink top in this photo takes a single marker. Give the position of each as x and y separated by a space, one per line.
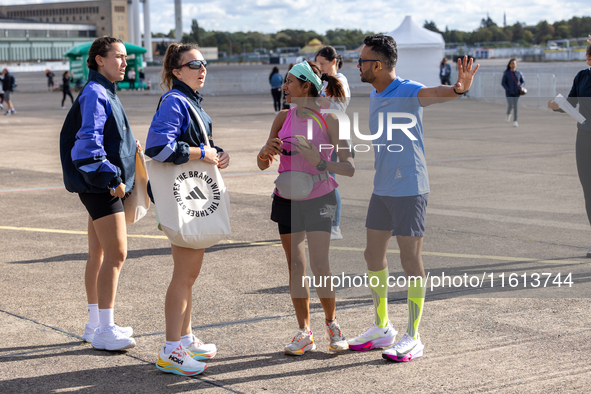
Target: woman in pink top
309 216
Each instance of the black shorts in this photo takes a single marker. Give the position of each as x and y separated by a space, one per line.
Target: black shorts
294 216
403 216
100 205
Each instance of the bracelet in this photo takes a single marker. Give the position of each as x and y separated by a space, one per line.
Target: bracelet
459 94
264 159
202 151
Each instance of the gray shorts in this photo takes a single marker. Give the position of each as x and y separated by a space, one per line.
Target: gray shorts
401 215
7 96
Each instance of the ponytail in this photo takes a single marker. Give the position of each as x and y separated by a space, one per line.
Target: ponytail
172 59
334 89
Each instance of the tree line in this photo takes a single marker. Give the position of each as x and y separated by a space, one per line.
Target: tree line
518 33
234 43
487 32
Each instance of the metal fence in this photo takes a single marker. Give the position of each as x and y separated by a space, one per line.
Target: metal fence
540 87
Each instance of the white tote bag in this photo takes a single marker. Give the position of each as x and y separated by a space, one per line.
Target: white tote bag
192 202
137 202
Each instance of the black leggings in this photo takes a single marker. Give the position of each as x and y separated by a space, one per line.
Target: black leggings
276 93
583 153
67 93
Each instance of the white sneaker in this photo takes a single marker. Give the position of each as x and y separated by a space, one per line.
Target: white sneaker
1 106
201 351
515 124
62 107
336 337
508 117
405 349
301 343
374 336
335 233
89 332
179 362
111 339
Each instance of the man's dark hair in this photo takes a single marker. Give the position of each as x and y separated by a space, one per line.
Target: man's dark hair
384 47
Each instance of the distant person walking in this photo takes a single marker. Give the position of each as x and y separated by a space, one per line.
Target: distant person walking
1 92
131 78
512 82
49 74
444 72
142 77
581 93
276 81
7 86
66 80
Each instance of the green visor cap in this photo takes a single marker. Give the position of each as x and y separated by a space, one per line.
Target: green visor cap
304 71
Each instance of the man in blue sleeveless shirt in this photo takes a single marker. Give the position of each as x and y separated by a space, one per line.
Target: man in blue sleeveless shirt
401 187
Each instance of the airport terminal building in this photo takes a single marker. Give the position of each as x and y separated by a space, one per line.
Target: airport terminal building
33 32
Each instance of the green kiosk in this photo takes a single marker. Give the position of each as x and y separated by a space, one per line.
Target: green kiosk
79 70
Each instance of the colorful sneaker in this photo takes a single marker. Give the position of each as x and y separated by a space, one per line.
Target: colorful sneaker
179 362
201 351
89 332
336 337
301 343
111 339
374 336
405 349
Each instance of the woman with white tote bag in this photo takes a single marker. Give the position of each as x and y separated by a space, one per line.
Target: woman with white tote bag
179 134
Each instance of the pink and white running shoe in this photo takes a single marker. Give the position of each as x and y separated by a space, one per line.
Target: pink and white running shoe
373 337
405 349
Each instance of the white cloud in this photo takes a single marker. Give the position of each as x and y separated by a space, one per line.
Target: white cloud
270 16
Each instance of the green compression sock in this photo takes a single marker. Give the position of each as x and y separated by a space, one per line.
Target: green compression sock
416 299
379 293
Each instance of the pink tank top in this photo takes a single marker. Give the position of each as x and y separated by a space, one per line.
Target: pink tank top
297 126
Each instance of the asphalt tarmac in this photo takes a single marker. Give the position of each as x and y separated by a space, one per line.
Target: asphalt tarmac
503 201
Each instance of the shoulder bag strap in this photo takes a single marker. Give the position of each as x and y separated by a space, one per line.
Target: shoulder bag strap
199 120
515 79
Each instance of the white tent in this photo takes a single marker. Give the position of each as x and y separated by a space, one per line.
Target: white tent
420 52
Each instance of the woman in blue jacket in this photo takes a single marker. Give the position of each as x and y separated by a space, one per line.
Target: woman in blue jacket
512 82
444 72
175 137
97 152
276 81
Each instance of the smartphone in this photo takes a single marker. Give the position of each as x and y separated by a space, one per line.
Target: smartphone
303 141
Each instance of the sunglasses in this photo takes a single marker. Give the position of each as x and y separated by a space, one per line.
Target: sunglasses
195 64
291 152
360 61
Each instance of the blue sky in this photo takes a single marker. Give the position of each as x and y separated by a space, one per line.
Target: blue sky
269 16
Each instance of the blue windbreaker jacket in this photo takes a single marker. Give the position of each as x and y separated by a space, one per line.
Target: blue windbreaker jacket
97 147
174 128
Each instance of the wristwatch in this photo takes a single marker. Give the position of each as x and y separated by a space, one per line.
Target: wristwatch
322 165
